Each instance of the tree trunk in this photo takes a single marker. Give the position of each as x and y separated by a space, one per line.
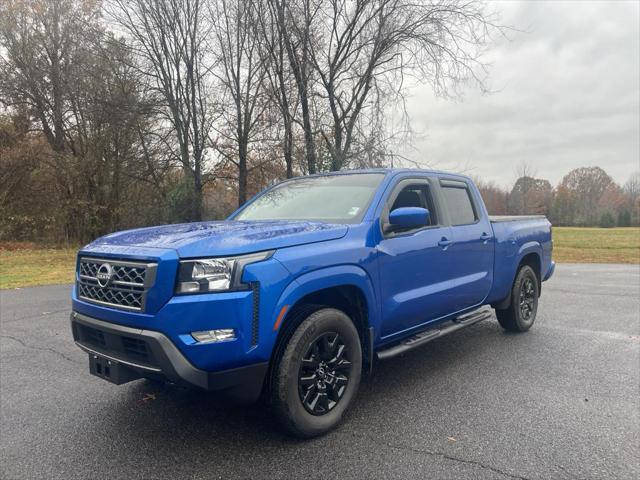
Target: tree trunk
310 146
299 68
56 84
242 174
197 196
288 148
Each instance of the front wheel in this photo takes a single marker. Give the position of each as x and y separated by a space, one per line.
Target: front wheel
521 313
318 374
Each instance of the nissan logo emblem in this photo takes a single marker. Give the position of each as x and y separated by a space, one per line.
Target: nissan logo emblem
104 274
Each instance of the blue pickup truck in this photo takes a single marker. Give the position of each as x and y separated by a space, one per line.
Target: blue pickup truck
299 292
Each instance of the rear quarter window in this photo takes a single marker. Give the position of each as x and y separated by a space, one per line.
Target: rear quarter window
459 205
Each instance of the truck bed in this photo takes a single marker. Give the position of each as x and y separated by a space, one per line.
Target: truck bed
513 218
515 237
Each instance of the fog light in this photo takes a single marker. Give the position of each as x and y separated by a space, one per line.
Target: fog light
210 336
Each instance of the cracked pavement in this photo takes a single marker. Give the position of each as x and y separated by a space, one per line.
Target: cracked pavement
559 402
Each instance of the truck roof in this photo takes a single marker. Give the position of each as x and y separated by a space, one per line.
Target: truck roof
387 171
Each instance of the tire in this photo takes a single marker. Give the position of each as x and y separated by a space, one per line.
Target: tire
317 376
521 312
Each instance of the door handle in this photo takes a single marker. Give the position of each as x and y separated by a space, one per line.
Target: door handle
444 243
485 237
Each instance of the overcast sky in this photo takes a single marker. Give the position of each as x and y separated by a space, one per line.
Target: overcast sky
567 94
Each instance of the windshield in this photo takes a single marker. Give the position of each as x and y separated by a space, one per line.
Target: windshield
331 198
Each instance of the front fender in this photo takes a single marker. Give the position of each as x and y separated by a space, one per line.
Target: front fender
324 278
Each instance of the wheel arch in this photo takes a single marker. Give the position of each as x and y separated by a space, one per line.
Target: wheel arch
347 288
529 254
533 260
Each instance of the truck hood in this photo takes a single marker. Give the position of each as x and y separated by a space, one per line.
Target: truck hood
202 239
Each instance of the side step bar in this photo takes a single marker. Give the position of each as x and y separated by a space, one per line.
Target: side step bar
426 336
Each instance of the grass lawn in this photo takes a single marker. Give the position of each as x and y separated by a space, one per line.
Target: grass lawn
596 245
23 265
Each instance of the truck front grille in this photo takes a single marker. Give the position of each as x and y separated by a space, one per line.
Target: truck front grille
116 283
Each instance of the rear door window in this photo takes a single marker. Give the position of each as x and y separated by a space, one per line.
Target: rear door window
459 204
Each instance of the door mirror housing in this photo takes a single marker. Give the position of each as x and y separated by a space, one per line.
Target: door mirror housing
407 218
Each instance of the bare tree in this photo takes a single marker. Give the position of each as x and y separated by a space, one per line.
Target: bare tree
62 71
632 192
493 195
530 195
295 22
525 169
44 41
585 185
126 113
241 74
371 45
632 187
169 39
281 79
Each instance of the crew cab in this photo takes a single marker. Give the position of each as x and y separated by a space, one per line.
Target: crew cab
304 288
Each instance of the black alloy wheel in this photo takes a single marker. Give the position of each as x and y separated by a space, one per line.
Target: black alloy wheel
528 294
324 373
521 312
316 374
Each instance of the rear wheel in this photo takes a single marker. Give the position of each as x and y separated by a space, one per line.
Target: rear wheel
318 374
521 313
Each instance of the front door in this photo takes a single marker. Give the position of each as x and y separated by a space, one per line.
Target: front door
414 265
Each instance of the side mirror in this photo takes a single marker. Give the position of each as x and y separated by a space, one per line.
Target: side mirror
407 218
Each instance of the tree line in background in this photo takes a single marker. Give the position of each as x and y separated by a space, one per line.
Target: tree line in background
586 197
124 113
120 113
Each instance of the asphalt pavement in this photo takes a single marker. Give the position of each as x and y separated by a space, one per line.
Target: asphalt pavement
561 401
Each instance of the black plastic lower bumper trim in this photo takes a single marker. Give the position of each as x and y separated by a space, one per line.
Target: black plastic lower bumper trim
165 360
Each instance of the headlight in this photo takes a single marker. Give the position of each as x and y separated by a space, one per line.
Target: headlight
215 274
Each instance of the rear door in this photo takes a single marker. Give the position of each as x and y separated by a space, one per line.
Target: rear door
472 251
414 265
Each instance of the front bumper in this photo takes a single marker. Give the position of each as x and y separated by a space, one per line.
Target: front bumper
151 354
